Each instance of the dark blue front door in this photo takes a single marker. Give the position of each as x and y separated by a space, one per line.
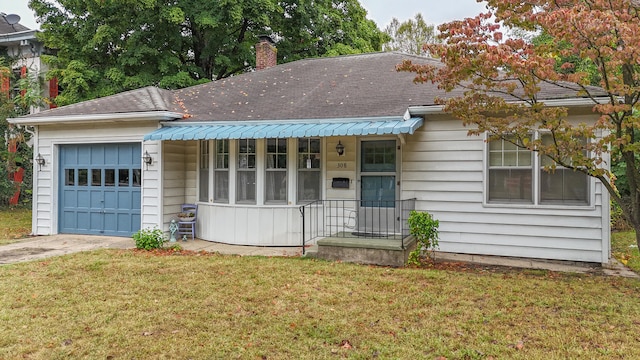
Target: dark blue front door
100 189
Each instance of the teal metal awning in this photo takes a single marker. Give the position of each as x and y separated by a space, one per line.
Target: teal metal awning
286 129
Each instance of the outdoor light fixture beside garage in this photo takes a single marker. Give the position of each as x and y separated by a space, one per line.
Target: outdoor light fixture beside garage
147 159
40 161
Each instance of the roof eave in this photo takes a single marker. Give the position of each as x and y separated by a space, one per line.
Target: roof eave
18 36
569 102
97 118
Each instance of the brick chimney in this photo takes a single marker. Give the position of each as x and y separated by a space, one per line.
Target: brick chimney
266 53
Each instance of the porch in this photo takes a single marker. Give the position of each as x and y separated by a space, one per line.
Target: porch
366 232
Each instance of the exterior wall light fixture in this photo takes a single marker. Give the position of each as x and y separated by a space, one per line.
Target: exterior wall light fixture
147 159
340 148
40 161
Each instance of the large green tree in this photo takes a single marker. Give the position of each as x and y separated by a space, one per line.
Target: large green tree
410 36
602 35
103 47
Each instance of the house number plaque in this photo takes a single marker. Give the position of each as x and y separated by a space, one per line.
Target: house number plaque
342 165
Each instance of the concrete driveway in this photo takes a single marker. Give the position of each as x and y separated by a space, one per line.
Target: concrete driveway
42 247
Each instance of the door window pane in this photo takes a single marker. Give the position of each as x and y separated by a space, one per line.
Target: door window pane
96 177
83 177
137 177
123 177
378 156
109 177
69 177
378 191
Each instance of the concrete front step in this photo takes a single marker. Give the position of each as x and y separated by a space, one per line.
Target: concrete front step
375 251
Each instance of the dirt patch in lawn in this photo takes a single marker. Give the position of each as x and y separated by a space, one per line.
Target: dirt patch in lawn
5 256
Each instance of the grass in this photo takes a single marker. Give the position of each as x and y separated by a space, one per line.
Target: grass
625 249
118 304
15 224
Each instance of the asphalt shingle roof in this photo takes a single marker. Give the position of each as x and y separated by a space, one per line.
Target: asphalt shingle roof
365 85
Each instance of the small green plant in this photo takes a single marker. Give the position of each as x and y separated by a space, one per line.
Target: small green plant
424 228
148 239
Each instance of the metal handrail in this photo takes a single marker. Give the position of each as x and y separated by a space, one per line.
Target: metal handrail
356 218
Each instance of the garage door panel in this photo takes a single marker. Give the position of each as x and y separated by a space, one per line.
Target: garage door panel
136 200
82 200
110 199
70 198
96 199
124 221
100 189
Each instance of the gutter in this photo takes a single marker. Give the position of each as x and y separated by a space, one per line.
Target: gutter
570 102
97 118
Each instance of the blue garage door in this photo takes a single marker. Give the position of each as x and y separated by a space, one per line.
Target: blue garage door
100 189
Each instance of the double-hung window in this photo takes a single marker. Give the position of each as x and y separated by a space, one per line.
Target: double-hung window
204 171
309 174
246 172
510 172
221 172
516 176
276 171
561 185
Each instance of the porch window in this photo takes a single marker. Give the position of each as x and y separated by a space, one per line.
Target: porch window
510 172
276 171
309 174
246 172
221 172
204 171
562 185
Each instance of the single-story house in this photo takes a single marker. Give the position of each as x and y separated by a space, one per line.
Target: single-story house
347 140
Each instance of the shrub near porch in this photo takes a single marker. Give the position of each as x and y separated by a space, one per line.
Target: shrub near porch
132 304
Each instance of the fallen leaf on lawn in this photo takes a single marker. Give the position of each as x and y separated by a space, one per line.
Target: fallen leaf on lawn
519 345
441 358
147 333
67 342
345 344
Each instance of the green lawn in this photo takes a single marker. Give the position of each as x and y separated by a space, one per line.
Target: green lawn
114 304
15 224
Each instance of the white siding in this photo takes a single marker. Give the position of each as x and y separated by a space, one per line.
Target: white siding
249 225
45 181
443 168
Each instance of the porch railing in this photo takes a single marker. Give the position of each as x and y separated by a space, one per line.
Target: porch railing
356 219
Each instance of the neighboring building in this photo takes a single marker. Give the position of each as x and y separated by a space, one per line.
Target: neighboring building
20 43
253 148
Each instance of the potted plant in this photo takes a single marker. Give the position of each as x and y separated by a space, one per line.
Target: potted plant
186 216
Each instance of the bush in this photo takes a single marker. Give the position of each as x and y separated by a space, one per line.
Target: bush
424 228
148 239
618 222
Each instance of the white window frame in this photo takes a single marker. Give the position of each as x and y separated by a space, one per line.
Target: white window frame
216 170
537 168
308 168
273 168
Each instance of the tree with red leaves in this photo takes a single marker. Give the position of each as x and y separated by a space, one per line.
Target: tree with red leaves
503 77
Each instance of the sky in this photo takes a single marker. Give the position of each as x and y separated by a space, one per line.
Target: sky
381 11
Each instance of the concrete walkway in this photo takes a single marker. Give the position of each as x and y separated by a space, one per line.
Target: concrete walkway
42 247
